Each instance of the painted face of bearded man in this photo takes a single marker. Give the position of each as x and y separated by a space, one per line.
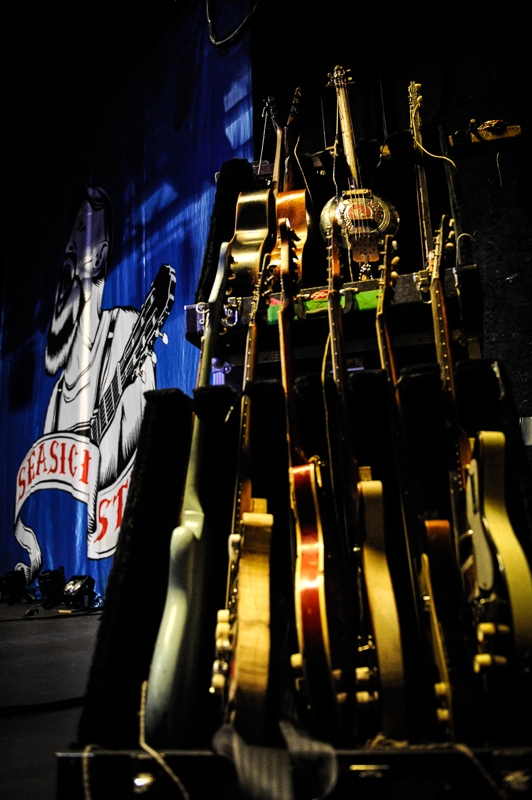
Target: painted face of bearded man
84 266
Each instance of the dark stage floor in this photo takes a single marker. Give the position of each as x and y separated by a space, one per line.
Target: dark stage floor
45 662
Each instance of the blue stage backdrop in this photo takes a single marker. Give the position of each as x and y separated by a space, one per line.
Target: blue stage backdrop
86 295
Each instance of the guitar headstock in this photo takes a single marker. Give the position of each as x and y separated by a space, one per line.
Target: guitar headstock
415 100
339 78
270 109
294 108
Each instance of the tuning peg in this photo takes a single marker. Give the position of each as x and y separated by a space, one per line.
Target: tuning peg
163 336
153 359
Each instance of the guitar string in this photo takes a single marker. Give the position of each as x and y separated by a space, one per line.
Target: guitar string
265 115
341 83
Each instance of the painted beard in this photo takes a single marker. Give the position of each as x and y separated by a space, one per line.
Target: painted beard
69 303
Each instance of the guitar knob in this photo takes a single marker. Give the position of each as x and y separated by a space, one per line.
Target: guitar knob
296 661
367 698
363 674
234 546
485 661
223 629
487 630
218 682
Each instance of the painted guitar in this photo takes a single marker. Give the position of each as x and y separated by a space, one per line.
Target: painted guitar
172 685
146 330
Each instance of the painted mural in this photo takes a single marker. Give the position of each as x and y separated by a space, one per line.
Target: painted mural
104 363
123 235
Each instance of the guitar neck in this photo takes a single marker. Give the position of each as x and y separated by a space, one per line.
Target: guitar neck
386 351
215 308
440 323
415 100
346 123
242 500
285 322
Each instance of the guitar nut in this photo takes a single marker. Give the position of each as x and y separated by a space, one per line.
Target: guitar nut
366 698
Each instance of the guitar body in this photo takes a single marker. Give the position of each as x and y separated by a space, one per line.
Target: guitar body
499 584
250 632
383 612
292 206
321 662
254 237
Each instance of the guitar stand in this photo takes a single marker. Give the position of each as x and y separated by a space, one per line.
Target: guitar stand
424 772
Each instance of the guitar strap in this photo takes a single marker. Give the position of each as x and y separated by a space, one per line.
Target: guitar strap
270 773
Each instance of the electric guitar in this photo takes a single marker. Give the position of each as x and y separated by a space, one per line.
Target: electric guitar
323 668
240 674
362 510
364 217
172 686
291 203
496 577
426 542
146 330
